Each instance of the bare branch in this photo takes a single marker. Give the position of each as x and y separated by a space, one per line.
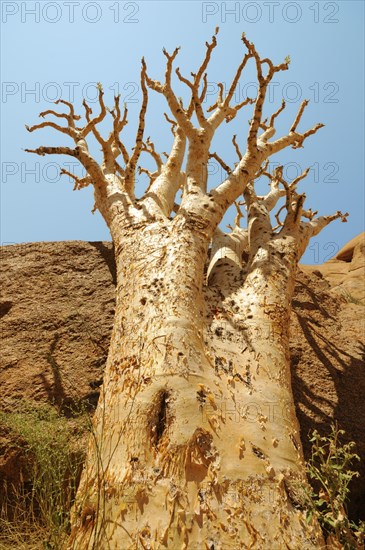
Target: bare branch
280 223
131 166
223 110
81 151
297 207
236 78
259 223
149 147
42 151
274 115
319 223
58 115
118 125
221 162
118 121
205 88
234 185
263 85
163 188
220 98
294 201
173 124
239 214
314 227
232 111
183 79
234 141
109 152
151 175
309 214
71 109
262 171
91 125
299 142
275 192
203 67
293 139
195 100
170 60
80 183
82 154
176 108
303 175
299 115
88 111
68 131
259 148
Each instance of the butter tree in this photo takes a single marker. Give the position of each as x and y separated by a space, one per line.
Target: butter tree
196 442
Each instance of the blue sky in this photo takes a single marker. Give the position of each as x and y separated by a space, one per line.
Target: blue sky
61 49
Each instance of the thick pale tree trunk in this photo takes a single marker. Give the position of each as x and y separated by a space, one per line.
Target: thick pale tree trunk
196 442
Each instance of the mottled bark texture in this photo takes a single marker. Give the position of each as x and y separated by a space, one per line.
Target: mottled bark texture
195 441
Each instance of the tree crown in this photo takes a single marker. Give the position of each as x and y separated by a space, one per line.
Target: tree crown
185 168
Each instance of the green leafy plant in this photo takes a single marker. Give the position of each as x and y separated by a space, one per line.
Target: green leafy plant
330 469
35 512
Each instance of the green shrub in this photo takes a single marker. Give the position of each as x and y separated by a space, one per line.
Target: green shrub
35 513
329 468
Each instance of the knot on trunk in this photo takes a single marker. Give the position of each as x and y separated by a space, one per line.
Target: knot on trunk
160 416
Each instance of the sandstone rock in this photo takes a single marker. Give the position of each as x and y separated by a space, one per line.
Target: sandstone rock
57 308
346 272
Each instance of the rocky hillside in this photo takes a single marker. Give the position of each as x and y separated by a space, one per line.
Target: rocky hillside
56 309
345 272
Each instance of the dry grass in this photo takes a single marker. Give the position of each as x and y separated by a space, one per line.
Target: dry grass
35 512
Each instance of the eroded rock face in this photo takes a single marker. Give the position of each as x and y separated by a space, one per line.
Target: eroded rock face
327 352
346 271
56 309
